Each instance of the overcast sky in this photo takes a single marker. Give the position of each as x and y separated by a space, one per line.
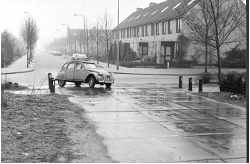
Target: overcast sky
51 14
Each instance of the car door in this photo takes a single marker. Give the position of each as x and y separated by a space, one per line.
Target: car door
80 72
70 71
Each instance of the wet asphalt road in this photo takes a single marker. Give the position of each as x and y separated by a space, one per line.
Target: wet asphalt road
147 119
154 123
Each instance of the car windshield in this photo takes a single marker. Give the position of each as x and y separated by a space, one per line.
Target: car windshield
89 66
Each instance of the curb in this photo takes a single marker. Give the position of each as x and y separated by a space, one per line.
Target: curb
150 74
155 74
18 71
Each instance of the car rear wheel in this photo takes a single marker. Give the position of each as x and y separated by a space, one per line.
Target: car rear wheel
61 83
77 83
92 82
108 85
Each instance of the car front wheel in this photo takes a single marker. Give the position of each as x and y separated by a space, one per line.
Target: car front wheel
92 82
61 83
108 85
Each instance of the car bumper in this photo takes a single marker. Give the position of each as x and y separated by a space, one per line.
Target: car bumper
107 81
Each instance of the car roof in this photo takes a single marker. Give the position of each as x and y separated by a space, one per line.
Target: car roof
87 62
79 55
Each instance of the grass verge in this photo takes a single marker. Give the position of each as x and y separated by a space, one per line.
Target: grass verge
43 128
226 97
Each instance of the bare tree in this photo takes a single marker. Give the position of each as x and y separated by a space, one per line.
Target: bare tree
81 40
227 17
7 48
29 32
213 23
95 34
243 23
198 25
106 21
87 25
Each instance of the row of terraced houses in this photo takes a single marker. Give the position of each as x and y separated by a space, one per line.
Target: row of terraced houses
153 31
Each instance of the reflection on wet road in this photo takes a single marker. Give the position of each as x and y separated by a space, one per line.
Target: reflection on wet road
148 123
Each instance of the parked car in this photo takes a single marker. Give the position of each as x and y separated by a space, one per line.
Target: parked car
79 72
82 57
56 53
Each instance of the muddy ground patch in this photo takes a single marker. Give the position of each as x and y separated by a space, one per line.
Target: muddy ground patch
47 128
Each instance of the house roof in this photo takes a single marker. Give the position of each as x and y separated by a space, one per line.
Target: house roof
167 10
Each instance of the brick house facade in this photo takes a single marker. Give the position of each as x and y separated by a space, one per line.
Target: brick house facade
153 32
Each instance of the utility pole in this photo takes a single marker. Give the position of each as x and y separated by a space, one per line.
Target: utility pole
118 39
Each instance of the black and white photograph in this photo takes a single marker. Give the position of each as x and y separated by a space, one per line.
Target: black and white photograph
124 81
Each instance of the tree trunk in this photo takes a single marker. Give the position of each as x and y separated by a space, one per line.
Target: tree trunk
97 53
108 52
27 57
217 39
30 54
206 52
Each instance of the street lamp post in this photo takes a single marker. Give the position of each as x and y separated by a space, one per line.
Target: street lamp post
84 33
118 40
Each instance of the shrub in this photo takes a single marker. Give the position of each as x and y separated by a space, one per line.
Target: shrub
4 94
234 58
130 55
233 78
205 77
233 82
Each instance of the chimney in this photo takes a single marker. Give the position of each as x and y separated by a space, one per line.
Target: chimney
152 4
138 8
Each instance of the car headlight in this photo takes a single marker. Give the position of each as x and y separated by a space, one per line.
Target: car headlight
111 73
100 77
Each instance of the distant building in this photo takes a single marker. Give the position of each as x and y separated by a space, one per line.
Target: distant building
153 32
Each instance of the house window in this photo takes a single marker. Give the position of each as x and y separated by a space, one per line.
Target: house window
146 30
134 34
152 28
137 31
178 25
164 26
128 33
169 29
142 30
157 28
124 33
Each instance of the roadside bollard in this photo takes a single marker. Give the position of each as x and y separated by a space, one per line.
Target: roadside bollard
50 80
190 84
180 81
200 85
52 90
51 83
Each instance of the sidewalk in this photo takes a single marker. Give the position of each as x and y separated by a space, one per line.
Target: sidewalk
18 66
149 71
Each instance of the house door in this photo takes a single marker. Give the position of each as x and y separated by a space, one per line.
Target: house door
166 54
